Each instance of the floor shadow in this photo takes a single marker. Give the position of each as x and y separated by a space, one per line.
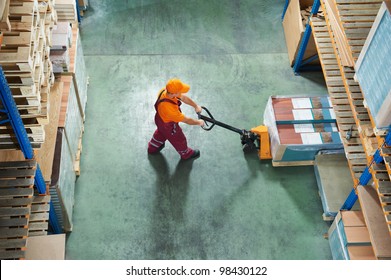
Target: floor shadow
169 204
314 76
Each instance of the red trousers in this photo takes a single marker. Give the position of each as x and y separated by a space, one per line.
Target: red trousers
173 133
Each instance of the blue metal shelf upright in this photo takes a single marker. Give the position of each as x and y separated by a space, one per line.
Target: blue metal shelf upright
15 120
366 176
299 63
285 8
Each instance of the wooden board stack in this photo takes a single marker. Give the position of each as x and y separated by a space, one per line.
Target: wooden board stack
62 42
349 237
373 69
357 159
66 10
24 57
16 198
351 21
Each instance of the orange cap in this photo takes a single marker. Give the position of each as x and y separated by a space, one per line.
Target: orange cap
176 86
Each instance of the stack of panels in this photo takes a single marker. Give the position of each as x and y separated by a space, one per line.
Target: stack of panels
334 183
373 68
340 100
24 57
78 70
16 198
301 127
62 187
39 217
63 180
351 21
70 116
349 237
62 42
68 59
66 10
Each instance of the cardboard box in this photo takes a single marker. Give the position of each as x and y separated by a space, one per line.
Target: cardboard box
294 31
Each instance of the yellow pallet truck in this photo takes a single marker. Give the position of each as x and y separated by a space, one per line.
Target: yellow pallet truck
256 138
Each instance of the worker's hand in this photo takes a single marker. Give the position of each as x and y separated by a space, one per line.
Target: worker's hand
198 109
201 123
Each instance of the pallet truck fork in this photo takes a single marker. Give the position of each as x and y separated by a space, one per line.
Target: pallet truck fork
256 138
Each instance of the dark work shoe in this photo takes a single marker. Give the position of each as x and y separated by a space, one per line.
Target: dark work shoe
196 154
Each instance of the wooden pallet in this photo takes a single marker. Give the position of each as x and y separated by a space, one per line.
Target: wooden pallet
16 198
39 218
339 98
351 20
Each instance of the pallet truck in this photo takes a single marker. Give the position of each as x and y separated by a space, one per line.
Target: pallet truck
255 139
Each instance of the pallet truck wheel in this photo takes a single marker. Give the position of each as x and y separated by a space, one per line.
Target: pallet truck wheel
246 148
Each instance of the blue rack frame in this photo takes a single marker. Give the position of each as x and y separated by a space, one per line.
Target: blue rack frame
15 120
285 8
366 176
78 12
299 63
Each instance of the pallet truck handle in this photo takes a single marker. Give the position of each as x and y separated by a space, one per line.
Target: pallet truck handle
210 119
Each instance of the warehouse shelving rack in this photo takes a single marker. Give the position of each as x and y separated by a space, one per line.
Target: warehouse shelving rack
366 163
13 117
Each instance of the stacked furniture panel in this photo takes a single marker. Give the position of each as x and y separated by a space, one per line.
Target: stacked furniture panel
299 128
349 237
373 68
334 183
62 187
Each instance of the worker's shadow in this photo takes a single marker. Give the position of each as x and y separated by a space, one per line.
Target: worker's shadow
171 190
169 204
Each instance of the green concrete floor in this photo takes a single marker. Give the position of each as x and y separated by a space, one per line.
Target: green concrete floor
224 205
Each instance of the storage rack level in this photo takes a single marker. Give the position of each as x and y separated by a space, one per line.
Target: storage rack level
13 117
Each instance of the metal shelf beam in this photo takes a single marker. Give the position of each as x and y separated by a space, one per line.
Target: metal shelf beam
15 120
366 176
304 41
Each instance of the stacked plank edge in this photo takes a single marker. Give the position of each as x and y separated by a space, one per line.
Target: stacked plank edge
22 213
66 10
24 57
340 36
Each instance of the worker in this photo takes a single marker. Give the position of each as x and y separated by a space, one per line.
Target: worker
167 118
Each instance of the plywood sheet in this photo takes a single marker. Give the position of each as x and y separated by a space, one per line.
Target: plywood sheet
48 247
361 253
46 154
375 221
